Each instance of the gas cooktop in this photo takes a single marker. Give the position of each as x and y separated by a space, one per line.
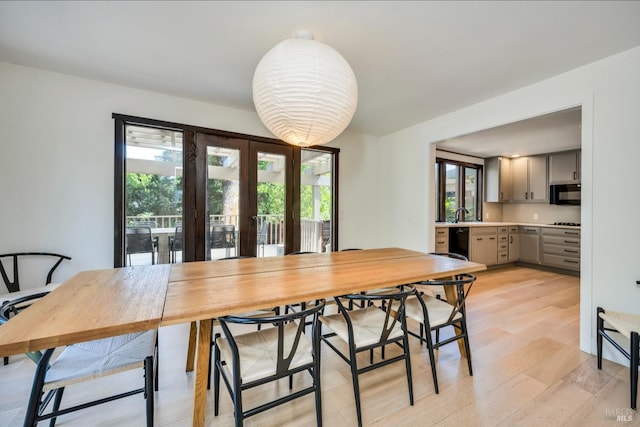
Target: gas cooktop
569 224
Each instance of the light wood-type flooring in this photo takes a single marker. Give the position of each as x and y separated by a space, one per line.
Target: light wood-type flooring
528 371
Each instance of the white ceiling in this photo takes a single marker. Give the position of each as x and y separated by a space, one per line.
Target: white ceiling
548 133
413 60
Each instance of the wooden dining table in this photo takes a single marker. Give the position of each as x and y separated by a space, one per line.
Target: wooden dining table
103 303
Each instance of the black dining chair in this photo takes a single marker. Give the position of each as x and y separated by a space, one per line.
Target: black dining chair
12 264
433 314
380 321
141 240
262 236
223 237
248 360
175 243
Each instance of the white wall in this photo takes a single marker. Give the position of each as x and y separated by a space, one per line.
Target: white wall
539 213
56 163
609 93
359 191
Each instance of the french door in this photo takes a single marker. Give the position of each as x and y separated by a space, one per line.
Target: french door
244 197
204 194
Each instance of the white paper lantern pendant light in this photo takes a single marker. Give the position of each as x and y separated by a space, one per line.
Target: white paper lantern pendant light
304 91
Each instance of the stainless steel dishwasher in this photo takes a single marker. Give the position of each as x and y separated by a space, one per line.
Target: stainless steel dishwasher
459 240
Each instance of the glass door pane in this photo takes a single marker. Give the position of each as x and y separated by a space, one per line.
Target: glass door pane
223 202
316 202
271 195
153 195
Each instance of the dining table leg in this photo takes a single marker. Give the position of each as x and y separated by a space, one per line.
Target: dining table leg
202 372
191 347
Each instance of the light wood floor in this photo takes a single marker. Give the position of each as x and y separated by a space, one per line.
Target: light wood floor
528 371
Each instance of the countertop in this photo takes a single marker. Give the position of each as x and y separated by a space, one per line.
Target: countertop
498 224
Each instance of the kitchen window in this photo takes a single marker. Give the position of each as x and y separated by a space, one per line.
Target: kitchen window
458 185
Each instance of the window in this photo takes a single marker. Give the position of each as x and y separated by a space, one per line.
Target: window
458 185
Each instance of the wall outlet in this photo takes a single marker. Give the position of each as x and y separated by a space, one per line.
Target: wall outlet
536 215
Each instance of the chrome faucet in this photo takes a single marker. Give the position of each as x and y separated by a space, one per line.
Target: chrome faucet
457 214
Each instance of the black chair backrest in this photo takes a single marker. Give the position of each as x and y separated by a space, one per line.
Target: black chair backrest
229 235
177 238
223 236
139 239
286 348
218 240
13 283
462 283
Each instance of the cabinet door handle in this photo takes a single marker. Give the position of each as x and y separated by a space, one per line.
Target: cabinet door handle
510 239
575 175
526 196
573 233
492 238
479 239
570 261
501 195
570 252
571 242
532 195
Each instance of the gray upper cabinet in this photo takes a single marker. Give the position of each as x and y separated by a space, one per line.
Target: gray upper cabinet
564 167
529 179
497 179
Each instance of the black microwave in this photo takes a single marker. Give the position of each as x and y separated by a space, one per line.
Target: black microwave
564 194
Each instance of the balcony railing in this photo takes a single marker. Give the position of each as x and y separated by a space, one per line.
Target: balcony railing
314 235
